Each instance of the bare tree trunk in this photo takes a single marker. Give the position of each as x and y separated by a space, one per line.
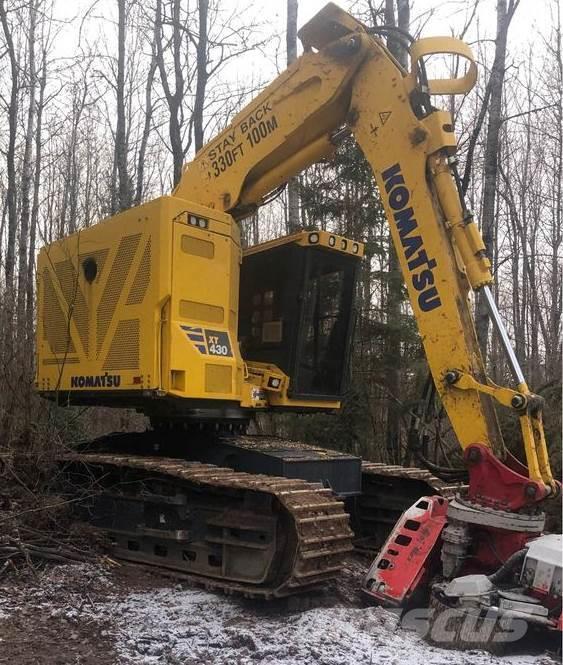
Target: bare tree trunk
35 204
11 193
553 354
3 226
123 198
202 74
7 348
67 218
26 179
173 99
293 221
529 256
505 13
146 128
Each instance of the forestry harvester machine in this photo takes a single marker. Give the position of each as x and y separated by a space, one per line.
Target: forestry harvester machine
159 309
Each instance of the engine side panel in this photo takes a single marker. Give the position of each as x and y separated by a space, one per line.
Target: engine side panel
141 305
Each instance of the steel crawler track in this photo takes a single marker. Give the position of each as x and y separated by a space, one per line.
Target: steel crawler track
387 491
260 536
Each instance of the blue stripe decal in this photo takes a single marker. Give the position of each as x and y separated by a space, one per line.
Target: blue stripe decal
201 348
196 338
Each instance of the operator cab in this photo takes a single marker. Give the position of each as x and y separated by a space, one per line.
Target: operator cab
296 309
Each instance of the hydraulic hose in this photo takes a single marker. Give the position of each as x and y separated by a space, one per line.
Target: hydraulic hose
502 574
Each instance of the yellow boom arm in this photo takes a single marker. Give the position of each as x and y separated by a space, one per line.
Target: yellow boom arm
347 79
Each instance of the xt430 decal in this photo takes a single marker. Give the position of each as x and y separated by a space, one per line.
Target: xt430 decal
209 342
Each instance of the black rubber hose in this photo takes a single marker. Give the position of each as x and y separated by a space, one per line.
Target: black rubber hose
446 473
382 29
502 574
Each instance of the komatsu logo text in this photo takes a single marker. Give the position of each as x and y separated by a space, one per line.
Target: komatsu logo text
420 265
97 381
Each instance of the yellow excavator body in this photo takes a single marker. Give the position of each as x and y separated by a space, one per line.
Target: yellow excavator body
116 300
142 310
345 82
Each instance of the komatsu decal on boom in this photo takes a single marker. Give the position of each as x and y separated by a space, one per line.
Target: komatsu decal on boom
158 308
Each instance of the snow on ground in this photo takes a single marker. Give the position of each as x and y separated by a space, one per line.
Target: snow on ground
174 626
160 623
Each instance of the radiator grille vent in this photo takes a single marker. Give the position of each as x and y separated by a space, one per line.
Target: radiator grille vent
75 301
114 284
142 278
55 323
61 362
124 349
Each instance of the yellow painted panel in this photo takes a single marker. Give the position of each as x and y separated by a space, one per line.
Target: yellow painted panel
198 247
124 351
199 311
115 325
218 378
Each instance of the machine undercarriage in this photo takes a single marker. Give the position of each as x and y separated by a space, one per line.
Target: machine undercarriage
256 515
